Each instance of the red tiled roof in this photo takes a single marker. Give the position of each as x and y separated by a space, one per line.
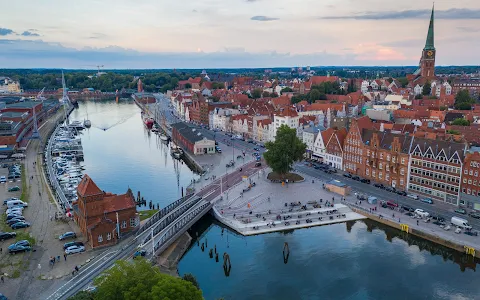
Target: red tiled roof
326 134
281 101
112 202
324 106
364 123
87 187
288 112
341 135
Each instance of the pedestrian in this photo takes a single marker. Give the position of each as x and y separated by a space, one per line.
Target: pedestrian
65 256
2 279
73 273
58 258
398 220
417 222
76 269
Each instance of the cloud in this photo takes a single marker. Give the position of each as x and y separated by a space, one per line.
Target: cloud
263 18
97 36
29 33
5 31
468 29
450 14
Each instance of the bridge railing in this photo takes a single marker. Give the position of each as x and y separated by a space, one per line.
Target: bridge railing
180 225
171 217
163 212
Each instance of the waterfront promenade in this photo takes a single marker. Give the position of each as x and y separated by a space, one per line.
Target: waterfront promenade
257 206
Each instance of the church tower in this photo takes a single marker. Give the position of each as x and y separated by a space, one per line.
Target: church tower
427 62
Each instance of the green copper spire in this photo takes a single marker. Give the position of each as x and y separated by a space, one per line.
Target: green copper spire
429 44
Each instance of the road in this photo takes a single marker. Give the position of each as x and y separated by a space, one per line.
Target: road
444 210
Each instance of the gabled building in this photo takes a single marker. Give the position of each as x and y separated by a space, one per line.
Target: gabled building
334 149
470 187
435 169
353 159
103 217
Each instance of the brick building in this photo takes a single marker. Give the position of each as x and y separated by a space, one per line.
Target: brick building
103 217
435 169
386 157
191 139
470 187
334 148
353 158
199 111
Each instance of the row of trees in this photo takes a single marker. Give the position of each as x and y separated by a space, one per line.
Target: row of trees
109 82
320 91
463 100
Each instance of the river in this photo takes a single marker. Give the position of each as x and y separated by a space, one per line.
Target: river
354 260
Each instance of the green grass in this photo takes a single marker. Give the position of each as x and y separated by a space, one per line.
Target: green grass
3 225
24 196
145 214
22 235
16 274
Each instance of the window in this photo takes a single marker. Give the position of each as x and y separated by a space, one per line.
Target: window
381 155
471 172
464 180
388 157
109 236
124 224
401 181
380 166
367 172
100 238
380 175
402 171
403 161
133 222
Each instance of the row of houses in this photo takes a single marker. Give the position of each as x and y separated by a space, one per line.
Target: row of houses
444 170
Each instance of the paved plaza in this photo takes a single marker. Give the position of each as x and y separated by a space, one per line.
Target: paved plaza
257 205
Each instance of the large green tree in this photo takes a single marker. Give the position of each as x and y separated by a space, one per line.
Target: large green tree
286 90
257 93
284 151
83 295
427 88
461 122
463 100
139 280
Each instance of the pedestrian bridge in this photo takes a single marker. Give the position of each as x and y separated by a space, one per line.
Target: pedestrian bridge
158 234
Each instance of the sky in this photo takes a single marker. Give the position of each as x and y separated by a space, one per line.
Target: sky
234 33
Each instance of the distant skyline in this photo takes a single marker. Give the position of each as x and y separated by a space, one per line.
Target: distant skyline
234 33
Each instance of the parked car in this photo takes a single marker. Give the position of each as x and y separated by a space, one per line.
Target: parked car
16 209
139 253
9 199
413 196
17 249
348 175
256 149
421 213
407 208
364 180
379 185
402 193
356 178
462 223
5 165
218 149
19 243
7 235
392 204
14 215
74 249
427 200
461 211
474 215
390 189
250 141
15 220
14 189
230 164
258 158
438 218
67 235
20 225
3 179
258 164
70 244
362 197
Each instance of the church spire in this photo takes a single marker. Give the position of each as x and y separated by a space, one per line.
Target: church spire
429 44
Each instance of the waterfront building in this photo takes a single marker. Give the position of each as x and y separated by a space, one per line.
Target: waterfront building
386 157
435 169
470 187
353 158
191 139
334 147
104 217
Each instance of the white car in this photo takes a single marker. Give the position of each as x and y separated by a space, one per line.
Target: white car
74 249
413 196
14 210
3 179
421 213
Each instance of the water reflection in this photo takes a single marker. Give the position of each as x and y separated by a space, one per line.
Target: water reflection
355 260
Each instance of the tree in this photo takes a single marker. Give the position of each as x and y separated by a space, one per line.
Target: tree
257 93
403 81
463 106
390 80
461 122
286 90
314 95
427 88
284 151
463 100
83 295
274 95
265 94
139 280
419 96
442 108
192 279
188 86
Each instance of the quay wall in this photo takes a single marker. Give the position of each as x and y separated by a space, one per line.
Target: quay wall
416 232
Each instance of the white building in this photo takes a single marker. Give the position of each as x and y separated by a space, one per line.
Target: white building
309 138
417 90
364 87
287 117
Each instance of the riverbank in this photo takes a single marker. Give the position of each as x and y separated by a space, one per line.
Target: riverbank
169 259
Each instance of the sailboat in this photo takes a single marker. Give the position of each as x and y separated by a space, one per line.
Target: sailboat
87 122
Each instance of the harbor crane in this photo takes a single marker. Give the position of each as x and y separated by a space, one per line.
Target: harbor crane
40 96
